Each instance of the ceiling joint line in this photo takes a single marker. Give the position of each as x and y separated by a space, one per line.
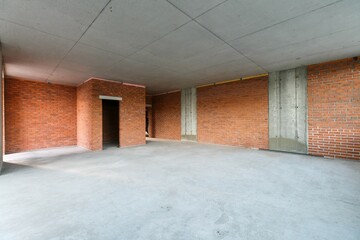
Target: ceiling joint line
193 18
211 8
241 53
35 29
88 27
214 34
289 19
152 42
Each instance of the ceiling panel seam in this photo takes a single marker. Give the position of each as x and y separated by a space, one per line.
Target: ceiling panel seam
316 38
92 22
35 29
191 19
101 49
140 49
319 53
218 37
289 19
281 22
232 47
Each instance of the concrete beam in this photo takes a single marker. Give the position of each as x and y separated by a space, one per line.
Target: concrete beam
110 98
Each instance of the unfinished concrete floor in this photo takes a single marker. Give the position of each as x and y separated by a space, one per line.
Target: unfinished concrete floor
172 190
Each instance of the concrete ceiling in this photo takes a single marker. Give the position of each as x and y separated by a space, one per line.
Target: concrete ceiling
172 44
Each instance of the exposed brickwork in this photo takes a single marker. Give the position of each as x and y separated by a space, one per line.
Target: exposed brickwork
84 115
132 113
38 115
2 123
167 116
334 109
234 113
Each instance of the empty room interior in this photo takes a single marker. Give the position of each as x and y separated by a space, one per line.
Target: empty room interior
180 119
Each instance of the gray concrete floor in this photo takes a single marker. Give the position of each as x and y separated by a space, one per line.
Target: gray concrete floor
172 190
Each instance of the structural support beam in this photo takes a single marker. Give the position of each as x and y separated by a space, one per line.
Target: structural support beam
110 98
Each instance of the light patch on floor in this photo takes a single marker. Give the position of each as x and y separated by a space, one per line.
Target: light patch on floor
173 190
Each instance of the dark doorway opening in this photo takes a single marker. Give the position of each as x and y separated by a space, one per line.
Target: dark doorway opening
110 123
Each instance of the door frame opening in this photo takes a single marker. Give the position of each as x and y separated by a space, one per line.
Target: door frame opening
110 99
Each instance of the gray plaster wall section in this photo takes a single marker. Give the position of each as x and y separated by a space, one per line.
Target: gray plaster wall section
189 114
288 110
178 191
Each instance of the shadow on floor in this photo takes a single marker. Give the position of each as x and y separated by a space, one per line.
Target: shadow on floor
110 145
8 168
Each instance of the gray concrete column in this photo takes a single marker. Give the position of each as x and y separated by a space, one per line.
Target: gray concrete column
189 114
288 110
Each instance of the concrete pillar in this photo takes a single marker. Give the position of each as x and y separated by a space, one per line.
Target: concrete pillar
189 114
1 108
288 110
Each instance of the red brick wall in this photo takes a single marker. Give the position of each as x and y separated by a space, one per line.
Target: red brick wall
84 115
38 115
132 113
2 130
234 113
334 109
167 116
